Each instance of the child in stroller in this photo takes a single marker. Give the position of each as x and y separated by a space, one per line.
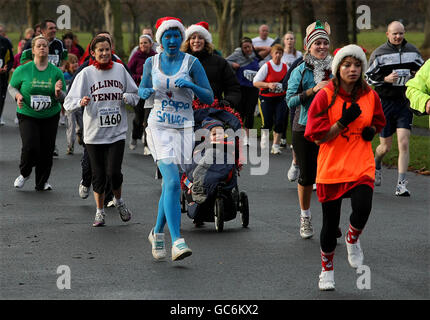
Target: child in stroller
209 185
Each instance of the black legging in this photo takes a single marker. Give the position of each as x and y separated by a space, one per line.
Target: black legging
247 105
361 203
140 121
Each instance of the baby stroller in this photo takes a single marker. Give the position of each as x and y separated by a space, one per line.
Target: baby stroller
209 191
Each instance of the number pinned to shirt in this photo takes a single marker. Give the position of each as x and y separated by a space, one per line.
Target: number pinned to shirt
404 76
109 117
40 103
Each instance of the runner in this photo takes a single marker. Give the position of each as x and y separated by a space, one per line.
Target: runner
172 78
6 64
343 119
305 81
418 90
140 112
245 61
102 89
390 66
224 84
272 98
38 87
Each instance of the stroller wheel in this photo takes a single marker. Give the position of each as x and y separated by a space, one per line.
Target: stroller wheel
183 202
219 214
244 209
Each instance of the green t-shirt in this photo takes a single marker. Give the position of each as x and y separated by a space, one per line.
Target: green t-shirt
38 89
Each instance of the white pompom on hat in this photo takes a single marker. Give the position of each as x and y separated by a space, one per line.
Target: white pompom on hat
166 23
201 28
350 50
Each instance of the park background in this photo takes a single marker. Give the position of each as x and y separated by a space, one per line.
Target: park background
230 20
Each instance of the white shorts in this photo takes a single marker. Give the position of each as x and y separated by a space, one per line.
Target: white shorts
170 143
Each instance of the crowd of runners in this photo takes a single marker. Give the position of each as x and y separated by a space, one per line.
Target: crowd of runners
335 104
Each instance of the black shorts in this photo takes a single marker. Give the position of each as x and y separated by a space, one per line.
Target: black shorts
397 115
306 155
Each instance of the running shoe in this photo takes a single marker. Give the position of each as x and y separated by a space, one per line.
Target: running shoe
143 139
326 282
123 211
293 172
20 181
314 187
2 123
180 250
401 190
158 247
355 254
275 149
306 229
99 220
146 151
62 120
378 177
16 120
133 144
283 143
84 191
47 187
70 150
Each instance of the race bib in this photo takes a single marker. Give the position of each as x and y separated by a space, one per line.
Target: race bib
249 74
39 103
1 63
404 76
54 59
109 117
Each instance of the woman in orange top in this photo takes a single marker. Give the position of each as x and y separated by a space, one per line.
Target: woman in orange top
343 119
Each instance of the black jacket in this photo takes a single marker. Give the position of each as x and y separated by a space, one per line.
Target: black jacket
221 77
387 58
6 54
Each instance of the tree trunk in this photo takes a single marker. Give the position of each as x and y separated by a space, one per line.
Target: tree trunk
306 15
426 44
353 19
338 19
113 23
235 26
32 12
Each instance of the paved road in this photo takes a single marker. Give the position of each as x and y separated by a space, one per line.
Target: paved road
43 230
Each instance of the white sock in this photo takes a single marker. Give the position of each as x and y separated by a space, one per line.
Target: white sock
101 210
117 201
306 213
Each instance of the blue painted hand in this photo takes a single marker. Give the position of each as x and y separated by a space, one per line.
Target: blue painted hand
182 83
146 93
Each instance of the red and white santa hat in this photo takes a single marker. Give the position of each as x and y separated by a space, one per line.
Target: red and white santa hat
350 50
166 23
202 28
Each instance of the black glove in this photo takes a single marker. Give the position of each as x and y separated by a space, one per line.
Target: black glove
224 103
349 115
368 133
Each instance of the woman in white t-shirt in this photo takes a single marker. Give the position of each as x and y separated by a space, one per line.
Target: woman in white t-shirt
290 53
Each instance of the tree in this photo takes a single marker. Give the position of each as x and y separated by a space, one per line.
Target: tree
426 44
32 7
306 15
113 22
229 21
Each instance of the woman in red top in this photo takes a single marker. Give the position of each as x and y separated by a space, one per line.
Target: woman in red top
343 119
272 97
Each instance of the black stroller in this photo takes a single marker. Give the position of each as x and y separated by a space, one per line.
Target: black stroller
210 192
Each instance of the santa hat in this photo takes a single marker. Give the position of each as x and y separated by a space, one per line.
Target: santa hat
201 28
316 30
166 23
350 50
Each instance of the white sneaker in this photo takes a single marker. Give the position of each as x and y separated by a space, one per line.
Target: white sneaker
264 139
314 187
401 190
99 220
47 187
326 282
180 250
283 143
62 120
143 138
293 172
2 123
306 229
378 177
133 144
355 254
16 120
276 149
20 181
146 151
158 247
83 191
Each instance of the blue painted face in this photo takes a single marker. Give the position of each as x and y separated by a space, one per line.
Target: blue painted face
171 41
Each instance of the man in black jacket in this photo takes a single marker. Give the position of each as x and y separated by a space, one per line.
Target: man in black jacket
390 66
6 64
